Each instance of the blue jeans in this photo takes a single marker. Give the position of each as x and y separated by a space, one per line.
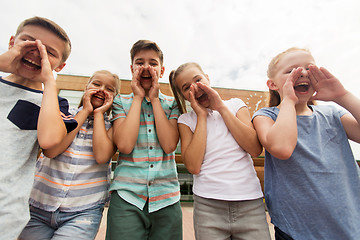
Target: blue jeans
62 225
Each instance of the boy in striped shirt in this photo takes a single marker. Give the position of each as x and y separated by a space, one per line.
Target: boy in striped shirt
145 192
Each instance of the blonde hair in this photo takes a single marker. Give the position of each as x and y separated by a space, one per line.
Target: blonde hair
115 76
274 96
180 100
50 26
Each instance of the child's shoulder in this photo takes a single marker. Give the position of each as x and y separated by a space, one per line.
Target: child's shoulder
328 109
166 97
271 112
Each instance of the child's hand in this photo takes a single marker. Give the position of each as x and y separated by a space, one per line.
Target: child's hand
215 100
288 88
199 110
326 86
46 74
154 90
87 106
107 103
10 60
137 89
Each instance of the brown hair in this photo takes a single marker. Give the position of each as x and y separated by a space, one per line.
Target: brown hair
176 91
274 96
146 44
52 27
117 83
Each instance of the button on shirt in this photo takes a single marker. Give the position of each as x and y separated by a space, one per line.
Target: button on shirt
148 173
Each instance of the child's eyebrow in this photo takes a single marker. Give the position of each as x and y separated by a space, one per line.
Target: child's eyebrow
31 38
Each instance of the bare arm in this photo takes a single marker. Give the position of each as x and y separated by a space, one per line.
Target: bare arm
166 129
80 117
103 146
193 145
242 130
126 130
279 138
51 128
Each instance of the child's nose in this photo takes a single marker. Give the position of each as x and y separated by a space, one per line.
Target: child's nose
304 73
35 52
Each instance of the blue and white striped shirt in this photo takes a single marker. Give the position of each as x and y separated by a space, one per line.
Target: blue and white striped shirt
72 181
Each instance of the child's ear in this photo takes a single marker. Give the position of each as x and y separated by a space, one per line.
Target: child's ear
11 42
162 71
271 85
60 67
207 77
132 69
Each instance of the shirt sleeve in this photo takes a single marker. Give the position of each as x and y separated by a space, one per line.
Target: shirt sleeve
175 112
67 117
270 112
236 104
118 110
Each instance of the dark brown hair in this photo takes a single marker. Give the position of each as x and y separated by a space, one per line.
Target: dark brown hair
146 44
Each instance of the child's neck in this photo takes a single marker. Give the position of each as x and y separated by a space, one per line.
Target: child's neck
24 82
303 109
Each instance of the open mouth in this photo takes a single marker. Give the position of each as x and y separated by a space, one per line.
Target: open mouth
146 77
99 97
30 64
203 97
302 87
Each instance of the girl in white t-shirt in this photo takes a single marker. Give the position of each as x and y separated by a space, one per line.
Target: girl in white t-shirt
216 140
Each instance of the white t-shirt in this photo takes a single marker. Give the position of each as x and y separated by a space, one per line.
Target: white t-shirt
227 171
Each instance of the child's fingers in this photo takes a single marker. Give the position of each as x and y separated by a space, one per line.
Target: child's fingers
43 54
295 74
326 73
153 75
138 71
316 73
191 94
204 87
312 79
27 45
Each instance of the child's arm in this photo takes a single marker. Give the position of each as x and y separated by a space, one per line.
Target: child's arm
103 146
126 130
240 125
329 88
166 130
80 117
10 59
51 128
279 138
193 145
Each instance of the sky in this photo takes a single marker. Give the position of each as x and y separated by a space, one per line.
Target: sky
233 40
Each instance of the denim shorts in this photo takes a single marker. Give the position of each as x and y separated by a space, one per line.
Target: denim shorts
60 225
